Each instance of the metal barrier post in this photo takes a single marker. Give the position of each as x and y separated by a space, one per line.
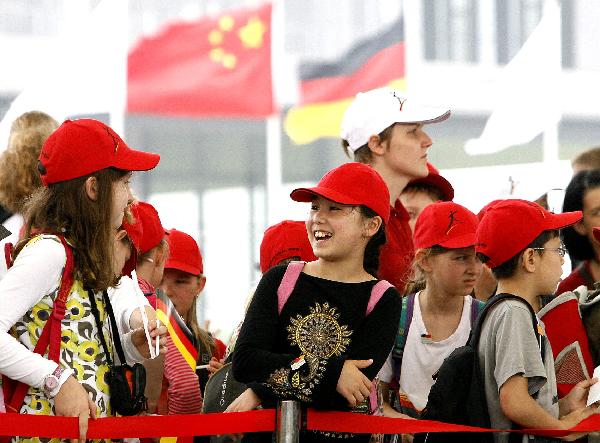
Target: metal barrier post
288 421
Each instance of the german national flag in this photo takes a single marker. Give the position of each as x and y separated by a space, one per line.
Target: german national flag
328 88
178 331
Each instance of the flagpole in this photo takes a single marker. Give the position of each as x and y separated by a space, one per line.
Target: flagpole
273 123
274 180
120 39
550 136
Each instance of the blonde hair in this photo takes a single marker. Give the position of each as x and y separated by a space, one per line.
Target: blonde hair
205 341
590 159
418 276
19 176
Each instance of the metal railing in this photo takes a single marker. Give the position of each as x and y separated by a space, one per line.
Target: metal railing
288 421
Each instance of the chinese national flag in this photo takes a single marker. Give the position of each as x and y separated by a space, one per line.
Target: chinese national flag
214 67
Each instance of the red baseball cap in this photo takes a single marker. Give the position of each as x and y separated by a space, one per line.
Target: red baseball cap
351 184
146 231
509 226
437 181
184 253
284 240
446 224
483 210
81 147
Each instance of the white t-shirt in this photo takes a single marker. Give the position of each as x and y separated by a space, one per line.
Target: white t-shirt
125 298
423 357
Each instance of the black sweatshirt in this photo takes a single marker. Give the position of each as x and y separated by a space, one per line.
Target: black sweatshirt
323 321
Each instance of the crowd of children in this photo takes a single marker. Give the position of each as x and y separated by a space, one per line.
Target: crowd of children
357 308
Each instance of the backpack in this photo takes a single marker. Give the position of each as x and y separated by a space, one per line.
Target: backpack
406 315
458 394
573 343
222 388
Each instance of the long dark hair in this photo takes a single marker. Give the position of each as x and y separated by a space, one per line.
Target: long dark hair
578 245
371 257
65 208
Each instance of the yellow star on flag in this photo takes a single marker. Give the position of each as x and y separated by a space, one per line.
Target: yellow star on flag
252 33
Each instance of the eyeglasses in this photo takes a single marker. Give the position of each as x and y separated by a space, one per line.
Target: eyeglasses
561 250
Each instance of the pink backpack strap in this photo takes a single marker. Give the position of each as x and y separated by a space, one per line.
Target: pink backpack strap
288 283
375 399
376 293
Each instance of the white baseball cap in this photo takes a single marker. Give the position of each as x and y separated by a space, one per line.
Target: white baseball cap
373 111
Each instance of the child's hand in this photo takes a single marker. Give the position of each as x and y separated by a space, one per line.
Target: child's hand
577 397
139 340
73 400
135 320
353 385
214 365
573 419
246 401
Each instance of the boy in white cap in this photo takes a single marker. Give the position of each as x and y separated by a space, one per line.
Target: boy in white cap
385 130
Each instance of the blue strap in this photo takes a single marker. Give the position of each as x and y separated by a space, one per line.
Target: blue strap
476 308
406 314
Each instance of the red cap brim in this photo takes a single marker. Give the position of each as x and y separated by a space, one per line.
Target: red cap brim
559 221
132 160
181 266
463 241
308 194
438 182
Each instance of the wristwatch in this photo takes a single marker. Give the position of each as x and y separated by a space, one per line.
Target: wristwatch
52 382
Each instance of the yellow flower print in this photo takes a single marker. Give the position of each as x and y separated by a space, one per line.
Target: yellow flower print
40 405
88 351
34 331
79 371
69 340
41 313
75 309
101 378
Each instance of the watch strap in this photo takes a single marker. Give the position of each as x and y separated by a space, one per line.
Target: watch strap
61 375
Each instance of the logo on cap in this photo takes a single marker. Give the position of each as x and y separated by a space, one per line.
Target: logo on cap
115 141
400 100
453 221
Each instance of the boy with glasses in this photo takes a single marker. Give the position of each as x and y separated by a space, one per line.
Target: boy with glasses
520 242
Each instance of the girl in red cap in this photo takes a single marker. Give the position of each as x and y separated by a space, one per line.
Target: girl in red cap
325 336
183 281
436 319
149 255
68 254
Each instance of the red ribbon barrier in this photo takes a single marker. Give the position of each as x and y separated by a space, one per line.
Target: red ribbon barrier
240 422
359 423
139 426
